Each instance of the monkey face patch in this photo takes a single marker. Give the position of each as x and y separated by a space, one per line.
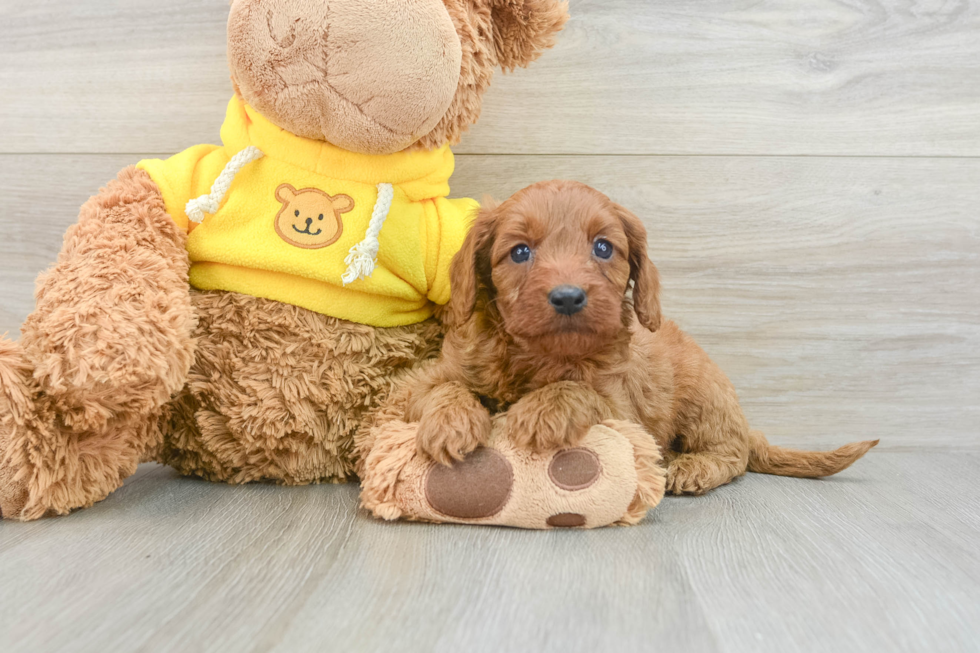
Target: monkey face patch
310 218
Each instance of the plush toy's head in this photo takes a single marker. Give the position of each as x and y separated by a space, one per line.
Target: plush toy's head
380 76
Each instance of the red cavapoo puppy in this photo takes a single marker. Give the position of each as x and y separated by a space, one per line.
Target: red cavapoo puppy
542 324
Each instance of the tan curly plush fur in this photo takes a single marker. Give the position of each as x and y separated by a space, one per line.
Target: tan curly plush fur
120 362
277 392
521 30
108 344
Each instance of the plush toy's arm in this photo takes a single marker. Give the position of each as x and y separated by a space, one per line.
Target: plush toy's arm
111 335
559 414
108 344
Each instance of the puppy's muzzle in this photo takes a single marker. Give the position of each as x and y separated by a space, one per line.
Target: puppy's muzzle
568 300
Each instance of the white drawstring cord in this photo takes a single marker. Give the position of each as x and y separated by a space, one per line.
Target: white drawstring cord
363 256
210 203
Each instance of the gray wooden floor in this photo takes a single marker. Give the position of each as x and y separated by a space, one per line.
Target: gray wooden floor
881 558
809 173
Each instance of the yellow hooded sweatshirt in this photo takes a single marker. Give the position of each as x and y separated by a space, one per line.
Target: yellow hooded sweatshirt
301 221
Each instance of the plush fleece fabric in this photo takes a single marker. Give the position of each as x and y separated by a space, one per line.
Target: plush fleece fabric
290 218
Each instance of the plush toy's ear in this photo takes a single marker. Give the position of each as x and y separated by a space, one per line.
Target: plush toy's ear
523 29
471 268
643 273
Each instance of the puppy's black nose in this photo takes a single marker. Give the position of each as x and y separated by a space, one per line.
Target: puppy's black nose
568 300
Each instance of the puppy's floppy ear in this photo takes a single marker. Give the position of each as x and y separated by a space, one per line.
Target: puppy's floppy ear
523 29
471 268
643 273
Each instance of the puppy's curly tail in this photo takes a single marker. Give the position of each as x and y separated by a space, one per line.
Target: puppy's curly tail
767 459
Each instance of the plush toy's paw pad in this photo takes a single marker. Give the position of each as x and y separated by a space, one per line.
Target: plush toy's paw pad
476 487
574 469
566 520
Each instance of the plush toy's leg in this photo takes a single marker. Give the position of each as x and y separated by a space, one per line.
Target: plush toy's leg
106 347
613 476
17 416
277 392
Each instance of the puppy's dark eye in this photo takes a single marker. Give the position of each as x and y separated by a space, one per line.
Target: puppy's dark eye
297 214
520 254
602 248
321 217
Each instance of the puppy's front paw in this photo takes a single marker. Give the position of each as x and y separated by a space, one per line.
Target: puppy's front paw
541 426
692 474
450 433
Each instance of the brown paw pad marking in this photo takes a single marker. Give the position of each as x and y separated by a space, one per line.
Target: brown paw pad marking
574 469
476 487
566 520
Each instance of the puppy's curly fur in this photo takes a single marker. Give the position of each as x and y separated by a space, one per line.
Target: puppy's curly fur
508 348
